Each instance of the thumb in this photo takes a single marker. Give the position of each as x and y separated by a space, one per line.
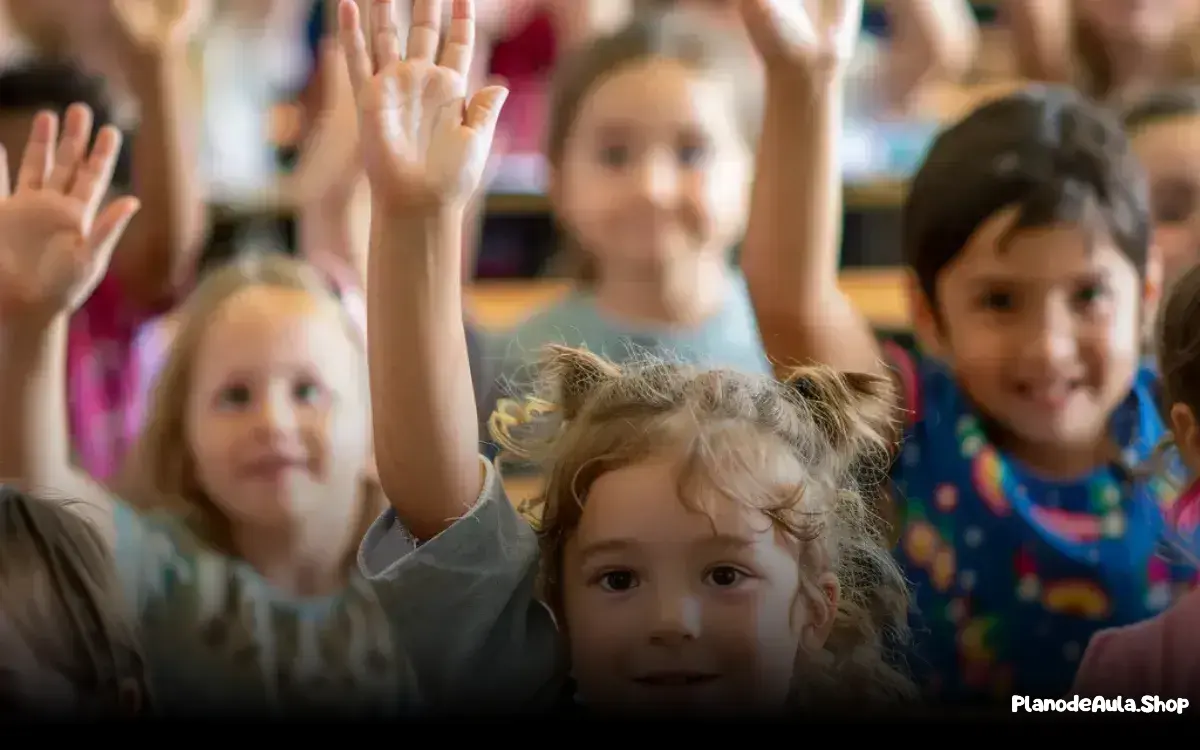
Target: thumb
775 26
483 112
109 226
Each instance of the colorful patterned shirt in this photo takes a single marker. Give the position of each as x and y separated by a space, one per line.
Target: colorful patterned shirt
1012 573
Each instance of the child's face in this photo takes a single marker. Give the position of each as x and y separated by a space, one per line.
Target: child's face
277 416
668 608
1042 329
655 169
1170 152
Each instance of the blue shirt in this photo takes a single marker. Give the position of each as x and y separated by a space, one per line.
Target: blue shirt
1013 574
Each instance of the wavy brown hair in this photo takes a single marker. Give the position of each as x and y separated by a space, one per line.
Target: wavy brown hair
829 429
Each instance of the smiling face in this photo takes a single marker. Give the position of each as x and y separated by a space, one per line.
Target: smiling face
669 608
1043 328
655 169
277 417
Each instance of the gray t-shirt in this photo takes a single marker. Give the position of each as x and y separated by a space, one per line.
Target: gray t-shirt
729 340
449 625
475 632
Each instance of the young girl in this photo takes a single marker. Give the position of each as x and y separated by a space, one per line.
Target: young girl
1160 656
649 147
1022 524
69 651
707 541
239 567
1165 131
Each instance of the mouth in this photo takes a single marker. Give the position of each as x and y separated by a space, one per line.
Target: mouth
676 679
1051 396
272 468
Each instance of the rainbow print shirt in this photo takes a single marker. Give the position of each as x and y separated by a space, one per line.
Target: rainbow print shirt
1013 574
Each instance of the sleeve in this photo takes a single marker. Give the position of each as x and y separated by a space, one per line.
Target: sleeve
464 604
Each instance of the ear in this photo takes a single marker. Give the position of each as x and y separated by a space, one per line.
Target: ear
924 318
575 374
1187 435
817 614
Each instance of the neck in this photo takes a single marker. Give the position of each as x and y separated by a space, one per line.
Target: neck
302 560
1057 462
677 293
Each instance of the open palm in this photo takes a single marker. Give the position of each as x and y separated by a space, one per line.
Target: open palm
54 248
423 143
787 34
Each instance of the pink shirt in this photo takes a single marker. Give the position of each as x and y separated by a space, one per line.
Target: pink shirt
102 377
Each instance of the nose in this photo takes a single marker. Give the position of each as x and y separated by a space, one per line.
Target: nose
658 179
676 620
276 413
1053 343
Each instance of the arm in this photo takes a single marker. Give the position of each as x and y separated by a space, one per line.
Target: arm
792 248
1041 34
54 249
931 40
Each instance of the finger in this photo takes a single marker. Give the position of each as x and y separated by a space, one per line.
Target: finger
38 159
385 37
72 147
849 23
354 45
5 186
425 29
94 176
460 41
778 26
108 228
483 111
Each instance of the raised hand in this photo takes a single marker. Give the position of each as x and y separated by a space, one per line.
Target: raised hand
424 144
790 38
330 161
55 241
153 25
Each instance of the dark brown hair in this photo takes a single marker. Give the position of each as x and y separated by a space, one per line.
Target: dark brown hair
1178 342
1045 150
665 35
60 591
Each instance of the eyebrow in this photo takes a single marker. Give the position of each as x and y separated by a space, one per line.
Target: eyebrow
1002 280
607 546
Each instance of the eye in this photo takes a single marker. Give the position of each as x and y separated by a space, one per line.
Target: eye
998 300
1173 202
692 155
614 155
617 580
306 392
234 395
1089 294
725 576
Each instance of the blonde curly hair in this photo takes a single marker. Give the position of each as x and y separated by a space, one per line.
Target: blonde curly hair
831 428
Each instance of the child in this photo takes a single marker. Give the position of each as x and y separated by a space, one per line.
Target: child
240 572
650 167
158 250
68 649
707 545
1115 52
1165 131
1021 524
1159 656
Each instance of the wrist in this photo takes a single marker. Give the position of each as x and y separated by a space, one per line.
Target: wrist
26 335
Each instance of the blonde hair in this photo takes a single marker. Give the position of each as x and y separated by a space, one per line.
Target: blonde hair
650 35
161 475
734 427
59 590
